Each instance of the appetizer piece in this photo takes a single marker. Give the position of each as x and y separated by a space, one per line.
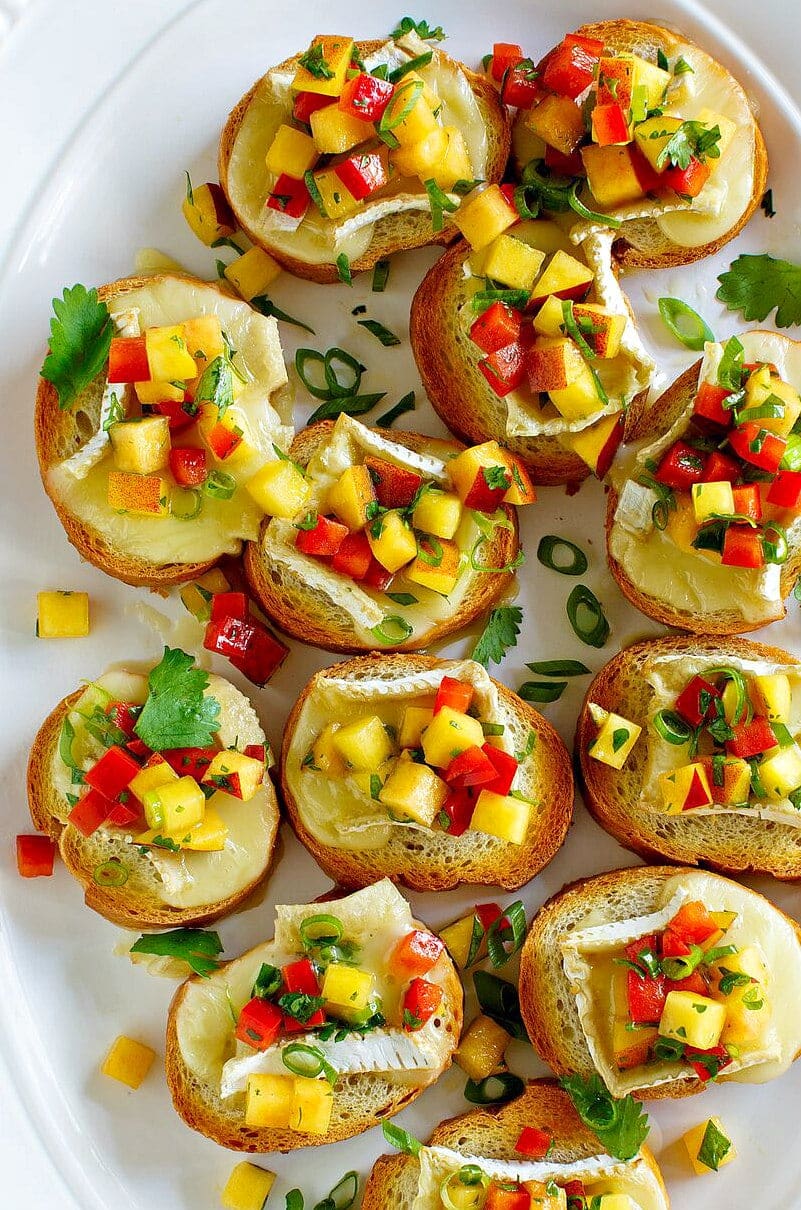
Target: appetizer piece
426 771
715 778
532 1154
342 1019
379 542
703 532
351 151
661 979
155 788
159 399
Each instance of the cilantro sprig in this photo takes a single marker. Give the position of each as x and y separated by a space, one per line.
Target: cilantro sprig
692 139
177 714
499 634
756 285
621 1125
407 25
80 336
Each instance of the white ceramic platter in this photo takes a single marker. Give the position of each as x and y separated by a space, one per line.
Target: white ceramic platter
117 187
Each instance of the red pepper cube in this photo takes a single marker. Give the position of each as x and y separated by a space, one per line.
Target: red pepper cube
496 327
570 67
689 181
609 125
394 486
301 976
415 954
115 770
487 914
459 807
564 165
488 489
504 369
259 1023
458 695
127 359
758 446
90 811
365 97
263 655
257 752
123 717
721 468
742 547
508 191
751 738
747 501
307 103
229 636
35 856
594 47
126 813
646 997
708 410
377 577
693 922
521 86
470 768
696 701
506 767
707 1063
229 605
190 762
354 556
507 1197
324 539
785 490
672 945
289 195
504 56
363 173
188 466
695 983
533 1143
421 1001
177 415
681 467
139 749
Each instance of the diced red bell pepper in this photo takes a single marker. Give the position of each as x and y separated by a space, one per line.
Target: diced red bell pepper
594 47
354 556
306 103
534 1143
689 181
362 173
506 767
681 466
257 752
570 67
454 693
635 948
394 486
721 468
125 814
742 547
496 327
289 195
291 1025
507 1197
229 637
752 366
575 1193
229 605
672 945
249 646
377 577
521 85
646 997
190 762
139 748
487 914
758 446
470 768
708 409
504 56
649 180
259 1023
716 1059
301 976
693 923
176 414
504 369
366 97
747 501
508 191
188 466
90 811
564 165
35 856
489 487
222 440
123 717
127 359
751 738
695 983
785 490
415 954
324 540
113 772
421 1001
696 700
459 807
609 125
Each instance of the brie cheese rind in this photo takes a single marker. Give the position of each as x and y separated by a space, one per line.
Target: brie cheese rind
587 959
686 579
318 240
667 675
350 442
334 810
375 919
599 1173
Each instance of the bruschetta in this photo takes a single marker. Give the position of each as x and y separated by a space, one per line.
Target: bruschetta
155 788
425 771
703 528
146 457
536 1147
709 771
661 979
351 151
342 1019
385 542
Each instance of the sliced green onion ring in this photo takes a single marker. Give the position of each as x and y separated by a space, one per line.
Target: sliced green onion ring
742 707
559 668
412 65
775 549
592 628
689 328
682 965
193 505
525 208
337 389
512 565
111 873
546 553
590 216
392 630
380 276
541 691
660 514
343 1195
506 934
494 1090
304 357
430 551
454 1181
398 109
320 928
220 485
308 1061
672 728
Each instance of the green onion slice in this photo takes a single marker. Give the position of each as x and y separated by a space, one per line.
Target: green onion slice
506 934
406 404
524 207
399 108
321 928
559 668
683 965
351 366
439 202
189 503
111 873
547 550
412 65
308 1061
775 548
266 306
343 1195
494 1090
499 999
586 616
388 339
492 728
470 1201
352 405
220 485
742 705
314 192
689 328
482 299
541 691
574 331
476 938
65 740
380 276
591 216
672 728
392 630
429 550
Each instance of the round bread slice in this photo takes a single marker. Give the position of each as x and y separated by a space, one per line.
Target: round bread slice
547 999
315 620
394 230
492 1134
428 859
732 844
139 903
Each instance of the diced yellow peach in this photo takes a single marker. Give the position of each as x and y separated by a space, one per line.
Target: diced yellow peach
458 938
168 358
772 696
438 513
719 1148
414 791
143 495
268 1100
292 151
418 120
693 1019
335 131
141 445
364 743
252 273
558 122
280 489
763 385
208 836
598 443
615 738
248 1187
235 773
550 319
128 1061
455 165
652 137
62 615
159 392
580 398
468 465
513 263
414 721
421 159
395 544
712 500
483 216
601 328
553 364
337 201
522 491
208 213
196 596
325 756
151 776
175 807
502 816
329 58
346 987
685 788
351 496
482 1048
564 276
437 566
611 175
449 733
204 339
312 1106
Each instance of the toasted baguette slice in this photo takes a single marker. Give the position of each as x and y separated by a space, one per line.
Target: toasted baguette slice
642 241
62 435
150 896
493 1133
322 622
553 1005
200 1030
399 221
734 843
428 859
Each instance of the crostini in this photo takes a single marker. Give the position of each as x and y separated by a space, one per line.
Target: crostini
351 151
687 749
155 788
425 771
703 528
532 1154
341 1020
378 541
147 461
659 137
660 979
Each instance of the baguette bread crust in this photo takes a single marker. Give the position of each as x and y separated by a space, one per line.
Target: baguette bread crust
546 1001
493 1133
295 611
727 843
133 906
364 1099
394 232
421 862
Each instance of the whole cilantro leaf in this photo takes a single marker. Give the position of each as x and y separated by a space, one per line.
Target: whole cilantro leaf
499 634
757 284
197 947
176 713
80 335
621 1125
408 24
